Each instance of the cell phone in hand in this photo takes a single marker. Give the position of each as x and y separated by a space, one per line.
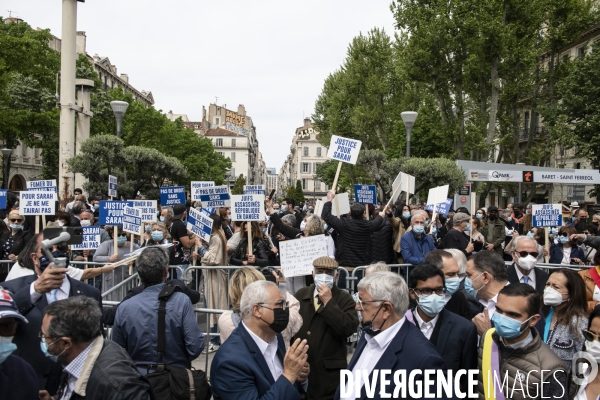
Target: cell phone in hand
271 194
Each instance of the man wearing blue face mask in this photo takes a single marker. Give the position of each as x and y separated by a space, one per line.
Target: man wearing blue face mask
416 244
514 349
454 337
17 378
329 318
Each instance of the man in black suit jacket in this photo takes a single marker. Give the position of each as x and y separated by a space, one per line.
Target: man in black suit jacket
385 327
454 337
524 268
32 293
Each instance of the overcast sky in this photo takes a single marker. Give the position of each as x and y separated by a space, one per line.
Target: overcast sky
271 56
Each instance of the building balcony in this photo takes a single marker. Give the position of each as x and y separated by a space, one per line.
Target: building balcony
539 132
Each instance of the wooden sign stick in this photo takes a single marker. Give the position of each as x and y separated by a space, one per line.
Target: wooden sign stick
115 237
434 214
337 176
367 209
473 200
249 226
37 224
394 194
546 244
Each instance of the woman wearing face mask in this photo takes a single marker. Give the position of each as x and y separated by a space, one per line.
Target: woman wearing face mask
159 234
224 213
13 241
400 225
215 281
565 308
566 252
478 239
259 256
582 387
62 218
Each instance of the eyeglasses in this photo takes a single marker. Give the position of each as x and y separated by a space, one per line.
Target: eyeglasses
123 235
563 234
361 302
524 253
15 220
428 291
280 304
43 337
589 335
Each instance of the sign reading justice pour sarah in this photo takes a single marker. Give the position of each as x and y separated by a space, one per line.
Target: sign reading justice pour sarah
342 149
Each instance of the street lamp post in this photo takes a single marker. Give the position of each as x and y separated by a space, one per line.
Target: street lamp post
6 157
119 108
409 118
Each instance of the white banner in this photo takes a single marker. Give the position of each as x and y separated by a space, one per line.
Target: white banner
343 202
132 220
580 176
148 209
195 185
342 149
91 238
35 202
247 207
298 255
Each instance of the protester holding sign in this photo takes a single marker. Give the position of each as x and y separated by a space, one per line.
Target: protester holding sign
567 250
13 241
215 280
104 254
182 240
159 234
399 224
224 213
260 250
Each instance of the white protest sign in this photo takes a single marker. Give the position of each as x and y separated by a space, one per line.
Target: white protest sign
254 189
343 202
297 255
148 209
195 185
342 149
34 202
214 196
48 185
438 195
132 220
318 207
91 238
546 215
112 186
247 207
403 183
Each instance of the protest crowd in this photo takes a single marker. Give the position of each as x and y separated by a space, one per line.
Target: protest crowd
294 295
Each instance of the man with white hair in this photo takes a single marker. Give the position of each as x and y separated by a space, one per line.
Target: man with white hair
525 255
416 243
253 362
389 342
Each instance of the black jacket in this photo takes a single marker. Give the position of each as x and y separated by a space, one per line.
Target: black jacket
456 239
285 230
353 247
20 239
540 278
18 380
383 243
108 314
259 249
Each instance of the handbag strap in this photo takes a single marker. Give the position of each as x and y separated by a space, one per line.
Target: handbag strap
192 387
163 297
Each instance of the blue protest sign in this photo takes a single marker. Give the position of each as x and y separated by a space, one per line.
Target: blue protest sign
112 186
3 198
132 220
200 224
254 189
208 211
111 212
216 196
171 195
91 238
441 208
546 215
44 186
364 194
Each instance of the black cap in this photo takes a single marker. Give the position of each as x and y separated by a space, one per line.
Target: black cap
492 208
178 210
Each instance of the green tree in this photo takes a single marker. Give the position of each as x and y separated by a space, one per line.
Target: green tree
238 186
290 192
299 193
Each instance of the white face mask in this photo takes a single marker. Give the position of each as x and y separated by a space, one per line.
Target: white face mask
60 223
527 263
593 348
552 298
323 279
85 222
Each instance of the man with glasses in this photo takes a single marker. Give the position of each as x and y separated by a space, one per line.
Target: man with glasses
17 378
329 318
94 368
454 337
388 341
253 363
524 270
32 295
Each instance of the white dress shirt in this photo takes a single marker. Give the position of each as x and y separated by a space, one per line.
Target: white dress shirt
425 327
491 304
61 293
269 352
531 277
374 349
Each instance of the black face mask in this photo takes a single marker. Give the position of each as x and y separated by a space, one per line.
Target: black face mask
492 217
367 327
281 318
45 261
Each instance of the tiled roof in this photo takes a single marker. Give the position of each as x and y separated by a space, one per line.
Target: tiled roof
220 132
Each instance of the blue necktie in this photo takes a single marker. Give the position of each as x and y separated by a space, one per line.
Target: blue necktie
52 296
526 280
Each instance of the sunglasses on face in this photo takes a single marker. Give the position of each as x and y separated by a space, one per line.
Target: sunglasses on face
15 220
524 254
563 234
123 235
589 335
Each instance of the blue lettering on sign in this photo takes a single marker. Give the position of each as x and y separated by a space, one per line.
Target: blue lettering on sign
441 208
111 212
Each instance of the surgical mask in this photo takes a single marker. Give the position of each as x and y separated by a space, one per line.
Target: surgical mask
121 240
367 327
419 229
45 261
325 227
406 214
507 327
44 347
281 318
85 222
162 219
60 223
469 286
157 236
552 297
432 305
527 212
509 219
16 227
96 206
530 234
264 231
593 348
479 216
148 228
468 228
427 223
323 279
563 239
452 285
302 225
7 347
527 263
554 231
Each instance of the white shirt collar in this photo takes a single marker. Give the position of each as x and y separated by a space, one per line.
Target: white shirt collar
262 345
531 275
385 337
422 322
